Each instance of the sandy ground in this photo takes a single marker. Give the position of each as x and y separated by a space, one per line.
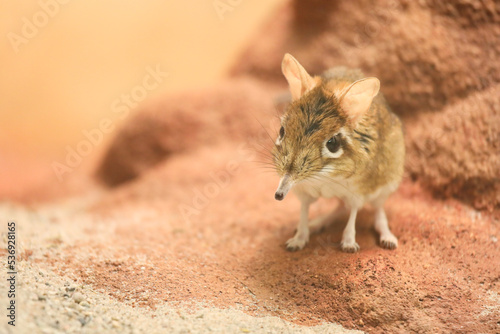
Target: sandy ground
142 261
49 302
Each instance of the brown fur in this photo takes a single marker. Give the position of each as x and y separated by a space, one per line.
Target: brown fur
373 147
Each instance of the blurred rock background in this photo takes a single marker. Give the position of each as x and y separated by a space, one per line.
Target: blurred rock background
437 64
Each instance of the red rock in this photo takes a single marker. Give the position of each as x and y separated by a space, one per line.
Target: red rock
429 56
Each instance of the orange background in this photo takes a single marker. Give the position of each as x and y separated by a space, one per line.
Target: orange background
64 79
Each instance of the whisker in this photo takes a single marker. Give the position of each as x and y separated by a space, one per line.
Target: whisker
266 149
265 130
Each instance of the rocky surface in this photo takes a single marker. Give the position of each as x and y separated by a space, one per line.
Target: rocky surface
426 53
431 57
460 154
